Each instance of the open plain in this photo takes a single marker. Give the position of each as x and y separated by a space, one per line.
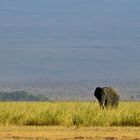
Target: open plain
68 120
69 133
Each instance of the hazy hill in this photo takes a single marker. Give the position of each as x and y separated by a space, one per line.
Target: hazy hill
82 90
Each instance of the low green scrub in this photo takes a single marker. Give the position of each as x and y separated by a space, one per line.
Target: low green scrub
68 114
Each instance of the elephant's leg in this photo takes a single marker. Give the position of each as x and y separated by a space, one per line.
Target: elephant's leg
102 104
103 101
106 102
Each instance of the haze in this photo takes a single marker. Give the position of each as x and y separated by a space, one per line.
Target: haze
70 40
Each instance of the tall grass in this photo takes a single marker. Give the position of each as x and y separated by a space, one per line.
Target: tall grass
68 114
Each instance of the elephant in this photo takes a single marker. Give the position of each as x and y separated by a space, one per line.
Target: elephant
107 97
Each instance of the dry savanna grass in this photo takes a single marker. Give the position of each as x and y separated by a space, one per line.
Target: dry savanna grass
69 133
79 114
69 121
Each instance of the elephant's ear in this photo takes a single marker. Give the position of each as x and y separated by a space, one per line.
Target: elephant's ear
98 93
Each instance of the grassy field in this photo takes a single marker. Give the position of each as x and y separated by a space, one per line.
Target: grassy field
69 114
68 121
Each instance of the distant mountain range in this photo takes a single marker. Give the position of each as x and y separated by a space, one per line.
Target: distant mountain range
58 90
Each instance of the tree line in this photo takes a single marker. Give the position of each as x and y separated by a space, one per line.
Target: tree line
21 96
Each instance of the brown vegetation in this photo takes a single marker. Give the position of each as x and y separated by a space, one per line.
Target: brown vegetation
69 133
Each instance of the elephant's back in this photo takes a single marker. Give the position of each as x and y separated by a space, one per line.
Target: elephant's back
112 95
110 90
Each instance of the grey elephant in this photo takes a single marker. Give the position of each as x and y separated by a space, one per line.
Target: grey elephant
107 97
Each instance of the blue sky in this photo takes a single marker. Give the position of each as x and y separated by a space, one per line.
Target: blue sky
69 39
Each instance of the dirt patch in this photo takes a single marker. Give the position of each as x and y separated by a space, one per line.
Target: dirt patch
81 137
69 133
110 138
23 138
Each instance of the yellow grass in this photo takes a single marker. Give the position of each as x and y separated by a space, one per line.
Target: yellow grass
68 114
